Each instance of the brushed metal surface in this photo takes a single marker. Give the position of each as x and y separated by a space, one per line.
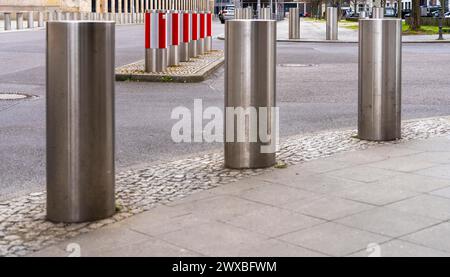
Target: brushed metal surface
193 49
294 23
208 44
250 81
377 12
332 23
80 120
7 19
379 88
201 46
156 60
173 55
264 13
184 51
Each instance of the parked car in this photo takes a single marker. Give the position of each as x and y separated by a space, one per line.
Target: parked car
447 15
228 12
390 12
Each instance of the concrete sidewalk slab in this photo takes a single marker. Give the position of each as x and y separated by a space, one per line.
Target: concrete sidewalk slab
328 211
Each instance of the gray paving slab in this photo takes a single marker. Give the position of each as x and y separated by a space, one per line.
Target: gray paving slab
388 222
333 239
436 237
425 205
399 248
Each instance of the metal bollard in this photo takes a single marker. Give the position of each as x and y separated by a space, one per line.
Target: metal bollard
50 16
332 23
250 83
377 12
75 16
58 15
294 23
239 13
67 16
185 36
208 38
80 121
264 13
41 19
173 38
201 33
248 13
30 20
362 14
19 20
379 88
155 41
194 34
7 18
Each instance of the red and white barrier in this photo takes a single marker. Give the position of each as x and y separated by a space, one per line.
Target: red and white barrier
208 39
173 37
194 30
201 33
185 36
156 41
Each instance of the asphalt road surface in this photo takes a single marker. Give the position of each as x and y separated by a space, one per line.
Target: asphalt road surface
316 90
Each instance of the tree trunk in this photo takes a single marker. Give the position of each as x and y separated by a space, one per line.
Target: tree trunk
415 16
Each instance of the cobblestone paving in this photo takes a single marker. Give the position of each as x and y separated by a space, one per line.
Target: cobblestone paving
23 228
193 66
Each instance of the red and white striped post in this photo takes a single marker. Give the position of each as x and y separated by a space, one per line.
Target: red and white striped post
155 41
201 33
185 36
195 30
208 39
173 37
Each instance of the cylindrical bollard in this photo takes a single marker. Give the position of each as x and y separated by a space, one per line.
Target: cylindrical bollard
155 41
248 13
30 20
185 36
377 12
294 23
50 15
75 16
201 33
7 18
362 14
332 23
80 121
250 85
19 20
264 13
41 19
379 88
193 24
58 15
173 38
67 16
208 38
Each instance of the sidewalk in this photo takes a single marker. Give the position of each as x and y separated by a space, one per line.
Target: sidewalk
388 200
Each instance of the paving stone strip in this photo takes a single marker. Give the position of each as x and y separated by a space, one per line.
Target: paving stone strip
195 70
23 228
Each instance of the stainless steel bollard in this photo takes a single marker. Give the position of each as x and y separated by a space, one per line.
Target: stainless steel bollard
250 83
80 121
377 12
58 15
67 16
50 15
7 18
19 20
265 13
379 89
294 23
41 19
332 23
362 14
248 13
30 20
